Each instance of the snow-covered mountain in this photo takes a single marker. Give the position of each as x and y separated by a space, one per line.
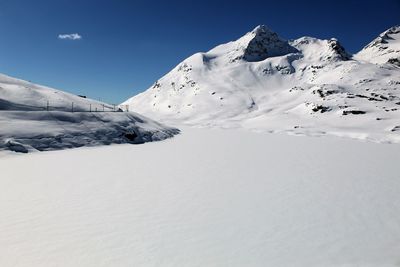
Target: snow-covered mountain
34 117
302 86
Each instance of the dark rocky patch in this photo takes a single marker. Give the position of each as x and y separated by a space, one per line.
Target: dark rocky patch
16 147
369 98
394 61
354 112
296 88
156 85
395 129
320 108
130 136
338 49
285 69
266 44
324 92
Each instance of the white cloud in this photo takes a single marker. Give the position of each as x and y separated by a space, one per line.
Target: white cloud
70 36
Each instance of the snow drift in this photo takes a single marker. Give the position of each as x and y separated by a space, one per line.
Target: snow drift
304 86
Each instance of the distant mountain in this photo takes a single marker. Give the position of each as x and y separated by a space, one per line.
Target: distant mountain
302 86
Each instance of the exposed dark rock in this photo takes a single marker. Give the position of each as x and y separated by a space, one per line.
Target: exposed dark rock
396 129
354 112
296 88
325 92
285 69
369 98
392 82
16 147
156 85
320 108
130 136
338 49
394 61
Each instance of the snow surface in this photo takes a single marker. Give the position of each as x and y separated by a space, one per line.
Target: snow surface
264 83
34 117
207 197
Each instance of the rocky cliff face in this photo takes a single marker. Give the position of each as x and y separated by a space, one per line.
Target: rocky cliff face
265 43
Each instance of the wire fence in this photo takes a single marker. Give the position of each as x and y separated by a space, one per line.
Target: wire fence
65 107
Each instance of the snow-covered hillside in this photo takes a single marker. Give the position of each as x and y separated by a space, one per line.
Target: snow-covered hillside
16 94
34 117
303 86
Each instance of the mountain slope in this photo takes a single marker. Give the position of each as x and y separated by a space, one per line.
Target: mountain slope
16 94
383 49
263 82
34 117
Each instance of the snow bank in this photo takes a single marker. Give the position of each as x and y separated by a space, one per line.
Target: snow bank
23 131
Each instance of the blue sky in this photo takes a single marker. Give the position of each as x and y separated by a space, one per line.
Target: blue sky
127 45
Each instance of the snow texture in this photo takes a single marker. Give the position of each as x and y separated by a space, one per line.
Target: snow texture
207 197
305 86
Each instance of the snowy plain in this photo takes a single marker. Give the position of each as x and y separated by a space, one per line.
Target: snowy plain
206 197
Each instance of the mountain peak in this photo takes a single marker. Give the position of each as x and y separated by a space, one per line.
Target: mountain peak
338 49
394 30
383 49
262 43
261 29
384 37
257 45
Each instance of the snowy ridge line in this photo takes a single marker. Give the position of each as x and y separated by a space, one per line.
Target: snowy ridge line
16 94
7 105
